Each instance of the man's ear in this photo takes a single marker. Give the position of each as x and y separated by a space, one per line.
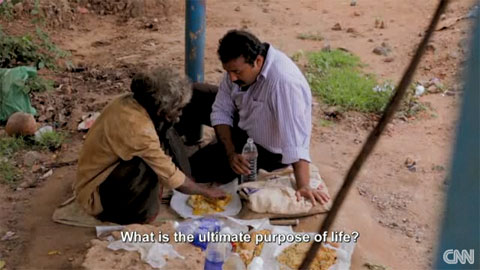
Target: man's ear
258 61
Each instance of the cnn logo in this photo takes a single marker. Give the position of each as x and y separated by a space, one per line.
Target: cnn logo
454 256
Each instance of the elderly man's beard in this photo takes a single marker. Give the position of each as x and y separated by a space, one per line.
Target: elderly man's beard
173 118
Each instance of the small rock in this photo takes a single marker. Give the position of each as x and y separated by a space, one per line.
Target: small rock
379 50
9 236
70 259
357 141
31 157
88 121
353 3
443 17
47 174
351 30
431 47
82 10
450 93
357 14
371 266
21 123
18 8
435 81
410 233
370 40
388 59
237 8
36 168
361 191
410 164
337 27
419 90
432 89
453 55
41 131
379 23
326 48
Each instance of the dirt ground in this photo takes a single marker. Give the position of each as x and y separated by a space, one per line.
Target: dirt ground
395 210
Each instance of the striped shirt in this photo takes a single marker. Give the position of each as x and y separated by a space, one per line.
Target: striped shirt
275 111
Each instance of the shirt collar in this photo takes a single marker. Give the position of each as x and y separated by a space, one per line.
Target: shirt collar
267 64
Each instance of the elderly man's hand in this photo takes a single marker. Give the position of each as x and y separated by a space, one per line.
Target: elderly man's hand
214 193
314 195
239 164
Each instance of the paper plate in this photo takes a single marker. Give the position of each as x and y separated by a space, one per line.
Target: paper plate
179 202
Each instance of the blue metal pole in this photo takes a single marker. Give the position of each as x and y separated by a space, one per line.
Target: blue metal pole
194 39
460 239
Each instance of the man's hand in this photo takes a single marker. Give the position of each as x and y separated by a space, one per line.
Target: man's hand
190 187
314 195
239 164
214 193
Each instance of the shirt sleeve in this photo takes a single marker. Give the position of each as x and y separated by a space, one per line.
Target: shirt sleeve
141 140
223 107
291 105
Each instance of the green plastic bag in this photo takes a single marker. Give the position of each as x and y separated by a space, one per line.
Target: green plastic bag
13 93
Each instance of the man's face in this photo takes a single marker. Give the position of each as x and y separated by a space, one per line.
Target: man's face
242 73
173 115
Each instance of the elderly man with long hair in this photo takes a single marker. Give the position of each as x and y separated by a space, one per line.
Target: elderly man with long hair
123 164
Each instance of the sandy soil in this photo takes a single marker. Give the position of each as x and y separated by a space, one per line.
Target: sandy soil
396 211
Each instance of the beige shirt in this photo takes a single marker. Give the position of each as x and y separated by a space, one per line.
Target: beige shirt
123 130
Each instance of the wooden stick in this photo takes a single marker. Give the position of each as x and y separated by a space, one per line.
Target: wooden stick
285 222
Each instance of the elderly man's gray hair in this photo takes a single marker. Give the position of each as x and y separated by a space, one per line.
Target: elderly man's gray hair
162 90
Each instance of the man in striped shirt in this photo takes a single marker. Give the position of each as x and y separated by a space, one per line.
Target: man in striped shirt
263 95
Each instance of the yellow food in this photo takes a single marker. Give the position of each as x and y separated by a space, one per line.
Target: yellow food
248 250
203 205
294 255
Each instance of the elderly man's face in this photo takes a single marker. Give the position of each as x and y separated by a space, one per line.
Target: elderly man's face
174 114
243 73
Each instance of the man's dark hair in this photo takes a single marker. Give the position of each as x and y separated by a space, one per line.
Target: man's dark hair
238 43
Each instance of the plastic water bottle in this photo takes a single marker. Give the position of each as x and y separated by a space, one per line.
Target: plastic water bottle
197 227
234 262
216 255
250 153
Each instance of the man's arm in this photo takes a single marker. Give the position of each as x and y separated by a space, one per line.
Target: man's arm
291 104
301 171
190 187
224 134
238 163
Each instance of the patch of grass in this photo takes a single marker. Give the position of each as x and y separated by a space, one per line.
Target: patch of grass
51 140
326 123
10 145
336 77
310 36
297 55
6 8
9 174
39 84
37 50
